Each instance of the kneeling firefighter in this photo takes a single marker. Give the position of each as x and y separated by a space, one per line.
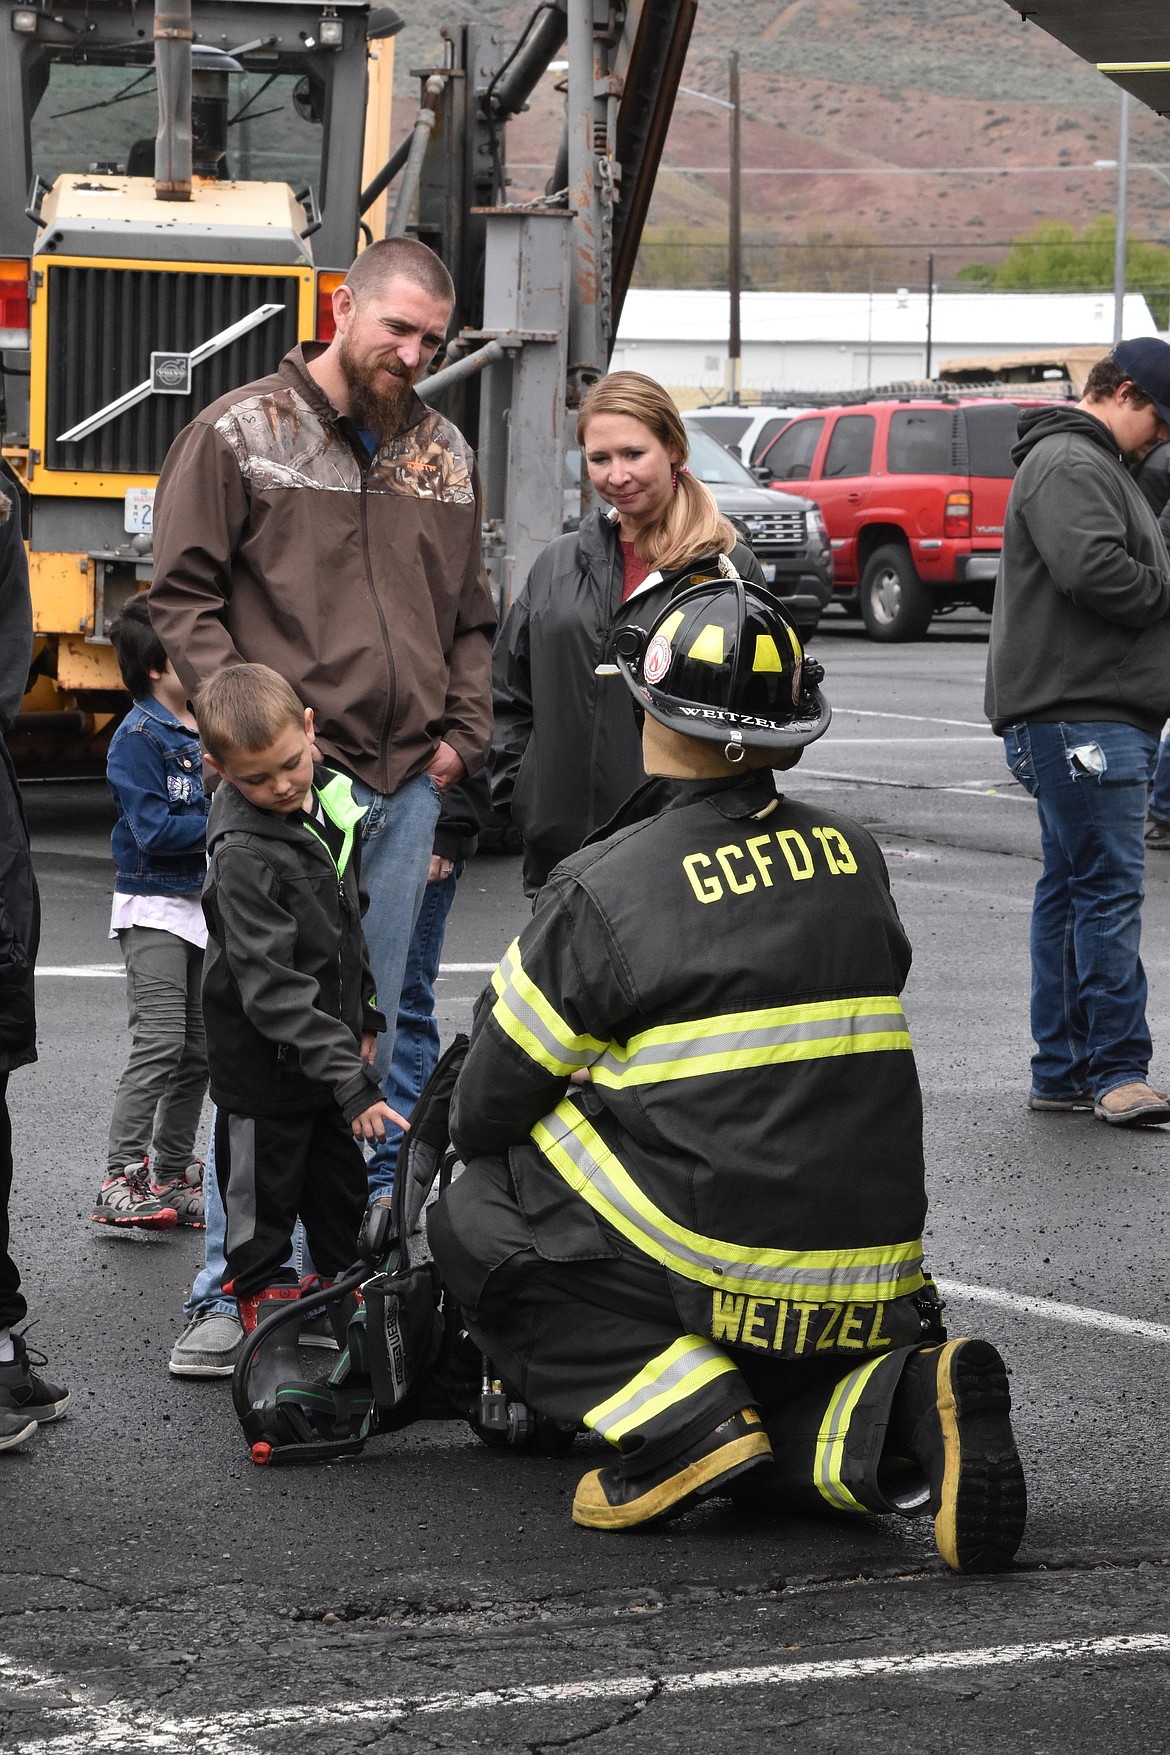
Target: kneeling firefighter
692 1208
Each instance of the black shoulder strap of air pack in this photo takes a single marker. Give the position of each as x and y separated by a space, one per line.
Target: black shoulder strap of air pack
425 1146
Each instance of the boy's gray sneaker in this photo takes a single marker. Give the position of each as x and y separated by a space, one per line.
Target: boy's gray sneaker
1158 835
207 1347
183 1190
15 1428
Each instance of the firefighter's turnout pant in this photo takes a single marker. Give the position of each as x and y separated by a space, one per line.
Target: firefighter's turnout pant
596 1338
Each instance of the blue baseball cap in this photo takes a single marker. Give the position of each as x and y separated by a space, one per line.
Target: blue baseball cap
1146 363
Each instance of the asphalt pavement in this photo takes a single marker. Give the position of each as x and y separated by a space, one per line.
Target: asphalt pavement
158 1592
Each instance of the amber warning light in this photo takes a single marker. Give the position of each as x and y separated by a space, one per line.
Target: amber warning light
14 302
328 281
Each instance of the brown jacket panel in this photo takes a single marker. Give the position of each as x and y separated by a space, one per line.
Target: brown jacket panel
363 584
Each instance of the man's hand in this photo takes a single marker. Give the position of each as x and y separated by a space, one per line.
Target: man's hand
445 767
439 869
369 1047
371 1123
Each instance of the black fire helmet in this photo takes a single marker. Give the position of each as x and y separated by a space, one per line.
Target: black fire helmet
724 663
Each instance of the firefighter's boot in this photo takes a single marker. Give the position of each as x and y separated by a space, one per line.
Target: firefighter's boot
951 1414
606 1499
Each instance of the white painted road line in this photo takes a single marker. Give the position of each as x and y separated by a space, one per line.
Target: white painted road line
1079 1315
915 718
973 788
87 1725
940 743
98 971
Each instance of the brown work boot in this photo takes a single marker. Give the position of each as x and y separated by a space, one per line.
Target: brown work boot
1133 1105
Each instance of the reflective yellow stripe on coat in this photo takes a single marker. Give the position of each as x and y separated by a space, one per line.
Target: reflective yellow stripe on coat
727 1042
579 1154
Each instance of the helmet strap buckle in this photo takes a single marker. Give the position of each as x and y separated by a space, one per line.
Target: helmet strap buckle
733 750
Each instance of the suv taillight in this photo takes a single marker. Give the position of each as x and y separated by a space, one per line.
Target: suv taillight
957 514
328 281
14 272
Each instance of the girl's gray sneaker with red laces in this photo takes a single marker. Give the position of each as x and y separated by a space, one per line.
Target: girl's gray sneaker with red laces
127 1200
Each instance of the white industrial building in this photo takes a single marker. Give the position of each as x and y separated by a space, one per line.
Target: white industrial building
794 341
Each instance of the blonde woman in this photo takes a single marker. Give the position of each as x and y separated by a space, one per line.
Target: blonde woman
567 753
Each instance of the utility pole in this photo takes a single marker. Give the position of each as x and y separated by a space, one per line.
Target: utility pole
734 210
930 316
1119 241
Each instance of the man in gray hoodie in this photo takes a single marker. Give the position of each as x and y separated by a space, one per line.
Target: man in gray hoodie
1078 686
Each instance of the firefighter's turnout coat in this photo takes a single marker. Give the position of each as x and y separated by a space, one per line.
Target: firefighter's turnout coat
749 1143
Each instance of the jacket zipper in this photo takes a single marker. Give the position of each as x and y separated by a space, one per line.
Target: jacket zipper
392 692
598 684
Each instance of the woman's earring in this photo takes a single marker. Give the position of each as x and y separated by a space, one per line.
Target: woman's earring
674 481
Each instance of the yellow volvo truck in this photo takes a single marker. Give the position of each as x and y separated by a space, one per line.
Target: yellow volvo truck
182 189
134 290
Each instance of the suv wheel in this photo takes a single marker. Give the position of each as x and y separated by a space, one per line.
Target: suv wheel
895 604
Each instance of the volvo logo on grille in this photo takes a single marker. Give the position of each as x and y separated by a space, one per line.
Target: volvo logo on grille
170 374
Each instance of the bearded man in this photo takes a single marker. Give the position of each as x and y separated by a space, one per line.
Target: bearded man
325 522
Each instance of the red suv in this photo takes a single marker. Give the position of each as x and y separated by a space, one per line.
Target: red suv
913 493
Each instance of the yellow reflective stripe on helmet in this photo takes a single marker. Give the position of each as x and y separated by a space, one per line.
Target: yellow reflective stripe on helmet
671 1378
776 1035
830 1451
578 1153
525 1015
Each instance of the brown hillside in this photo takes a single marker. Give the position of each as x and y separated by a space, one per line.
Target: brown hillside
881 87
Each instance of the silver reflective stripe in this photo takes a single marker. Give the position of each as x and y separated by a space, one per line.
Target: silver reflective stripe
564 1137
649 1059
525 1015
667 1381
830 1457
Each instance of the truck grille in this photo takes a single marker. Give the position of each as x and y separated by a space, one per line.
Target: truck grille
104 324
778 530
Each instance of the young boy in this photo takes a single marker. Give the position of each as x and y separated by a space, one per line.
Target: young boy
155 772
287 991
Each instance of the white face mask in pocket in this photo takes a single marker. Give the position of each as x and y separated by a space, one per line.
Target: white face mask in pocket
1087 758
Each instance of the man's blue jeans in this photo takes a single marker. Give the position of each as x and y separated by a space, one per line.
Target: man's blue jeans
398 835
416 1042
1089 780
1160 796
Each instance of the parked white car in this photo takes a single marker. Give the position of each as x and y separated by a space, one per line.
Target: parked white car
745 431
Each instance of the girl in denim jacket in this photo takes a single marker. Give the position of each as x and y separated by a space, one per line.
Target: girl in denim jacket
155 772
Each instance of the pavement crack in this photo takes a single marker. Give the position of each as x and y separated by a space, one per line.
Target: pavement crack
615 1723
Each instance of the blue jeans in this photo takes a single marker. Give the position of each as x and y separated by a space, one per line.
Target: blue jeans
398 835
416 1041
1160 796
412 1015
1089 780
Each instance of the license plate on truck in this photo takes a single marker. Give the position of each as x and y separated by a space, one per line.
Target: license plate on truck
139 513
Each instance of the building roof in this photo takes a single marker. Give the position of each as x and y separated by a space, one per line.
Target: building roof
1002 320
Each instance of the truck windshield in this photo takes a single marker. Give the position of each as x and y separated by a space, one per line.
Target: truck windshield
104 119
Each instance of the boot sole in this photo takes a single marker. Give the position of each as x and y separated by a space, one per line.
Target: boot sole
159 1222
15 1438
673 1496
984 1505
195 1369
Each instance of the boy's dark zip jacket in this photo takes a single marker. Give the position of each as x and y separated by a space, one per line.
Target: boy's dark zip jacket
287 988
